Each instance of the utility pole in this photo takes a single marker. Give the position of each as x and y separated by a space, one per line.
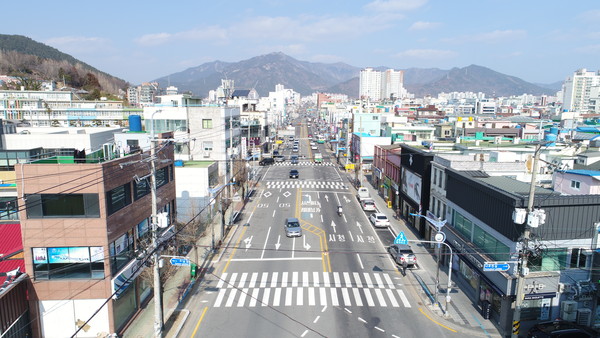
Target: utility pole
158 315
524 254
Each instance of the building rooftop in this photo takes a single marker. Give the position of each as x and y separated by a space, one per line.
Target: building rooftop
514 186
197 164
584 172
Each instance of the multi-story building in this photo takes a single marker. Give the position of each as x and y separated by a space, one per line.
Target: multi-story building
370 84
144 94
376 85
577 90
84 223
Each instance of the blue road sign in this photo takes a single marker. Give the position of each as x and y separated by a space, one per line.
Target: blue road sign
180 261
401 238
496 267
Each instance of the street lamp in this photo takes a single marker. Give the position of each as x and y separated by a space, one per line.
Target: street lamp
158 315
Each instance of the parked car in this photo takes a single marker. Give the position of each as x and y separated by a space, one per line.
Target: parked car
294 159
295 149
402 253
379 220
368 204
266 161
314 147
561 328
292 227
294 173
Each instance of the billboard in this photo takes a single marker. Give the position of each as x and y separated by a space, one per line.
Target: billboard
411 185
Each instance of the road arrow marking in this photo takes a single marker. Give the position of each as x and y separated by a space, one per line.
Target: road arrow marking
359 227
306 245
248 241
346 199
308 197
327 198
333 225
278 244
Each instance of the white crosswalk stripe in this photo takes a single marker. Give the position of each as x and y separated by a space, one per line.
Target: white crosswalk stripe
292 184
302 288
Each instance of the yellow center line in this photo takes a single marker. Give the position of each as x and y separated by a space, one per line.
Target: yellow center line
199 321
442 325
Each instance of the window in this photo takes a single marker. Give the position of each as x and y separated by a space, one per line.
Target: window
141 189
121 251
550 260
207 124
162 177
68 262
208 145
8 208
578 258
118 198
575 184
62 205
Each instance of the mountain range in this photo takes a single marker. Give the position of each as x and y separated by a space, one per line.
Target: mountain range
26 58
265 71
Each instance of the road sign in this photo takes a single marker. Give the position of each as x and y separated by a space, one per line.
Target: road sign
496 267
180 261
401 238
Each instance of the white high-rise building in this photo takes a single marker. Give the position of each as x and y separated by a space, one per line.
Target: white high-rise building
577 90
377 85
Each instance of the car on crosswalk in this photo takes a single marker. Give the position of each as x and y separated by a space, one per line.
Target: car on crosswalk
379 220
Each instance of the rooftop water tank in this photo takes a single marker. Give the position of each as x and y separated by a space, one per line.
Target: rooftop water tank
135 123
551 138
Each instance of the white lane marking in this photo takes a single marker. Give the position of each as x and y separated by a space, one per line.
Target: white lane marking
357 280
380 297
304 333
231 298
274 280
284 278
232 280
315 278
295 279
222 280
326 279
277 297
316 319
347 279
311 297
346 297
357 298
242 298
390 294
336 280
265 299
293 246
389 281
379 281
300 297
362 320
265 246
351 237
368 297
368 280
220 297
395 336
277 259
305 279
321 218
263 279
253 279
288 296
323 298
274 213
345 309
380 329
324 307
403 298
360 261
334 297
254 297
243 280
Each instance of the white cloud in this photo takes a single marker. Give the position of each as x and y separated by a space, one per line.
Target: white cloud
423 25
198 34
592 15
394 5
490 37
430 54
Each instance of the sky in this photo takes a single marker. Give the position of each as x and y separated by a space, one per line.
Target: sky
537 41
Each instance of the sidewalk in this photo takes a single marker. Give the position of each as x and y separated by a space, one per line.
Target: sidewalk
462 315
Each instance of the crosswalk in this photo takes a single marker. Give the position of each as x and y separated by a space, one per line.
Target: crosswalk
301 163
308 289
295 184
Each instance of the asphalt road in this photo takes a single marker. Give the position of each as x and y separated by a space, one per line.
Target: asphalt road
337 280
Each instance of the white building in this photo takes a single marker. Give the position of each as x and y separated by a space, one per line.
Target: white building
377 85
577 90
370 84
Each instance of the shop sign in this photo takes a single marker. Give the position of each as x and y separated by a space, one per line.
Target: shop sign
463 250
534 296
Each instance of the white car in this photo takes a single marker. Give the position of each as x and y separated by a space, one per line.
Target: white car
368 204
314 147
379 220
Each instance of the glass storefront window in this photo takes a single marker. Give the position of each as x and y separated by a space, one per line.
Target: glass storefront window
469 275
550 260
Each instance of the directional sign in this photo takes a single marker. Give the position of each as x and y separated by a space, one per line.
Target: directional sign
401 238
180 261
496 267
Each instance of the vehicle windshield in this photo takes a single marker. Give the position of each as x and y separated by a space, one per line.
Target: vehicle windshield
293 225
381 217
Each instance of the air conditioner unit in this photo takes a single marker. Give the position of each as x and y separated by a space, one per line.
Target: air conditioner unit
568 310
584 317
519 215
